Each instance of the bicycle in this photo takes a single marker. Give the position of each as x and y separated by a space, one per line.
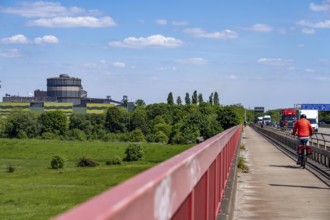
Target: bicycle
303 151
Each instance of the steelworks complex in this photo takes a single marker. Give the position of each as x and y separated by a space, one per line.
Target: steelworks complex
63 93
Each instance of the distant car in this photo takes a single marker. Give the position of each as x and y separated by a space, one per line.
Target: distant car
322 123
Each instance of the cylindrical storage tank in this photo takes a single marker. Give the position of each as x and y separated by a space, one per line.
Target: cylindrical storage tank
65 89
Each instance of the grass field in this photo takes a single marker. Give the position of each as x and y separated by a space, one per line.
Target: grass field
35 191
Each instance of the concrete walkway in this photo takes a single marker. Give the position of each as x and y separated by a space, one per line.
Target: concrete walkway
275 187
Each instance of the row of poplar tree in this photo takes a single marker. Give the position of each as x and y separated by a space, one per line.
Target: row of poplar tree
195 99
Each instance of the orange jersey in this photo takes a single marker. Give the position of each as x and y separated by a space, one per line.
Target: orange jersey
304 128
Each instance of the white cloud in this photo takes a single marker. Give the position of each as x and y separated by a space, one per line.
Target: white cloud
200 33
324 6
21 39
69 22
45 9
119 64
53 14
232 77
103 62
309 70
154 78
47 39
322 24
322 78
261 28
161 21
11 53
308 31
194 61
90 65
275 62
180 23
16 39
301 45
151 41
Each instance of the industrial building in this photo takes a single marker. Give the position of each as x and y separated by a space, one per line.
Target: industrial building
63 93
66 89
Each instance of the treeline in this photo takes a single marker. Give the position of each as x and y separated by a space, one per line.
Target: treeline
165 123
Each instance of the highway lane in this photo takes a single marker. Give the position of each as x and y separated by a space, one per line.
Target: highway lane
324 130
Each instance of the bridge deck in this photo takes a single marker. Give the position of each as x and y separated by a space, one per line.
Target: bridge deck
275 187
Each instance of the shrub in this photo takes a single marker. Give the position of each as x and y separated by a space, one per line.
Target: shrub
137 136
57 162
114 161
151 138
161 137
11 169
48 136
111 137
22 135
86 162
124 137
133 152
78 135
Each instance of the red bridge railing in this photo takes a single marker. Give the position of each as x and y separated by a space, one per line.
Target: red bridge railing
188 186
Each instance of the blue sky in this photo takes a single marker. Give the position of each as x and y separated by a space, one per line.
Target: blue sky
271 53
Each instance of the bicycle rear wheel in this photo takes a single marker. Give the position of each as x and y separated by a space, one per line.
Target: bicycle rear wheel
304 158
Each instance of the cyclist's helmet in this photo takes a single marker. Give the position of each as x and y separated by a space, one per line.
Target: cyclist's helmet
303 116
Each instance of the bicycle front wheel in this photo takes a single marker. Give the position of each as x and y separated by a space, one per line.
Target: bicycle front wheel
304 159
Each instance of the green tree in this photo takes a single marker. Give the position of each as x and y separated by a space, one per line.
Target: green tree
154 110
22 124
200 98
161 137
115 119
211 99
179 101
189 130
324 116
140 102
139 120
216 99
210 126
137 136
98 125
194 98
170 99
2 127
159 124
81 122
54 121
227 117
275 114
76 134
187 99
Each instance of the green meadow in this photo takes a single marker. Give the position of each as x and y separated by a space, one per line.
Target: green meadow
33 190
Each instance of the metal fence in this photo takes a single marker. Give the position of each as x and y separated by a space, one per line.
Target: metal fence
189 186
320 142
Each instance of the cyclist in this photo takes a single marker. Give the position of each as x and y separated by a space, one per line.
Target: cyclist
305 130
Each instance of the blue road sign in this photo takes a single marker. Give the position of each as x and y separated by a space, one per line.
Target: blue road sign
321 107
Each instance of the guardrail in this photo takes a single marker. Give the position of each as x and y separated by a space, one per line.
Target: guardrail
188 186
320 154
320 140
